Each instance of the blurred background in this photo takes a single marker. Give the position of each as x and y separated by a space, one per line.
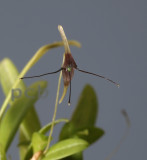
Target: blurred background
113 34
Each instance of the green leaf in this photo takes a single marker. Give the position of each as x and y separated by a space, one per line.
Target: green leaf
67 131
8 76
87 108
83 120
31 123
2 153
28 152
65 148
39 141
84 115
91 134
17 112
23 145
77 156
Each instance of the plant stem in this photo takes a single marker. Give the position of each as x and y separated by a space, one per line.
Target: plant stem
55 111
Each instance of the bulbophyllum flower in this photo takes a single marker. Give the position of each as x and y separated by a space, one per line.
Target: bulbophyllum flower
68 67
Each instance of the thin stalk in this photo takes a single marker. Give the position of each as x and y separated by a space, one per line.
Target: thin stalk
55 111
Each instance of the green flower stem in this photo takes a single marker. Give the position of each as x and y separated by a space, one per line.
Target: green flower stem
54 115
32 62
55 111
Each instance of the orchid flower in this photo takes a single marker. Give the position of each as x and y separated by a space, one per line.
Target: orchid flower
68 67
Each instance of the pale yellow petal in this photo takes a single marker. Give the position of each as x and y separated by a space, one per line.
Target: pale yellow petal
65 87
63 94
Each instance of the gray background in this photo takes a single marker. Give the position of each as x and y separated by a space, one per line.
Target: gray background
113 37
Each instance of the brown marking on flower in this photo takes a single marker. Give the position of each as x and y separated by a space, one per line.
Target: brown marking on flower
68 66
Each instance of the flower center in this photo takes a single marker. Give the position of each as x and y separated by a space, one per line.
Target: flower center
69 69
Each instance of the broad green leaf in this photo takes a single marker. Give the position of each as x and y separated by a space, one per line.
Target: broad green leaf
29 152
85 113
83 120
30 124
77 156
39 141
8 75
67 131
23 145
89 133
16 113
65 148
2 153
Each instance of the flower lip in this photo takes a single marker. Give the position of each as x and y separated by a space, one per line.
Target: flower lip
69 69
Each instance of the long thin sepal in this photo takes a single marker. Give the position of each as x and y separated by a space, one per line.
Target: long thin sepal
98 76
42 74
63 36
